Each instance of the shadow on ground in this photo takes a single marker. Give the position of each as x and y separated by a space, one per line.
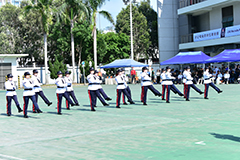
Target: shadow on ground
226 137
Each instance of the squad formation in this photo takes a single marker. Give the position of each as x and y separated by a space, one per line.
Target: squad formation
32 89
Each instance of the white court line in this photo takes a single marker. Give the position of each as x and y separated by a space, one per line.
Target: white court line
9 157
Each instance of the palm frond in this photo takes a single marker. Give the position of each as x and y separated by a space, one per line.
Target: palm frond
108 16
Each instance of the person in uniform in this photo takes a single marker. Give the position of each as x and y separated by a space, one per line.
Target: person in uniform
126 85
61 91
38 90
11 95
189 84
29 93
184 82
207 82
163 77
121 88
70 91
100 89
146 84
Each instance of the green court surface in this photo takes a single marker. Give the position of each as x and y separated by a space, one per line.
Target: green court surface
196 130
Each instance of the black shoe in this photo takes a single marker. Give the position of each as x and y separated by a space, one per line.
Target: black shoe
73 105
118 107
39 111
205 98
159 95
68 108
93 109
25 116
49 104
145 104
132 102
20 110
220 91
8 114
35 112
167 102
59 113
95 106
108 99
187 99
163 99
77 104
201 93
181 94
125 103
129 101
106 104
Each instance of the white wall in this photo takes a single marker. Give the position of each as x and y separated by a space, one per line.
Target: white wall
236 13
215 18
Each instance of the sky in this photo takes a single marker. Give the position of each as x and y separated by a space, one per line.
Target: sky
114 7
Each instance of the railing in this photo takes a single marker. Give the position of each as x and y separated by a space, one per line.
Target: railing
186 38
185 3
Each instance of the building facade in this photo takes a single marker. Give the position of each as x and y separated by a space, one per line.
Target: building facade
202 25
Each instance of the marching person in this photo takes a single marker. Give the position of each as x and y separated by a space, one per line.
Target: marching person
61 91
28 93
207 82
146 84
121 88
11 95
189 84
100 89
184 82
38 90
70 91
126 85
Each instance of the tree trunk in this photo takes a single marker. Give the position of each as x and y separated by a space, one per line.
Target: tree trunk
73 55
95 46
46 59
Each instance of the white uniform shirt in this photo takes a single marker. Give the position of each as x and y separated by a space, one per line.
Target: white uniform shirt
184 76
169 78
120 82
68 80
207 76
61 85
93 81
9 85
163 77
28 87
98 82
226 75
145 79
188 78
125 79
36 84
180 76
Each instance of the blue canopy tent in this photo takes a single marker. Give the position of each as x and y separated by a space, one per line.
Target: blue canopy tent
228 55
124 63
187 58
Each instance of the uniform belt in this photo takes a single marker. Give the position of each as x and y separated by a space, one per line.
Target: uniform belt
10 89
69 85
206 78
189 80
146 80
167 80
36 86
27 89
60 87
93 84
120 83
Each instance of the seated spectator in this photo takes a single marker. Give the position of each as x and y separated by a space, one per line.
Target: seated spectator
219 78
226 77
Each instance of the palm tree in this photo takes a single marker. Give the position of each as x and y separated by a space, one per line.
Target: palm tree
73 11
94 5
45 8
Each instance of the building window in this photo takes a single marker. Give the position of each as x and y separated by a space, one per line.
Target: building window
227 16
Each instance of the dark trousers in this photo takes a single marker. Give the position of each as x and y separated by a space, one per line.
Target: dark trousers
168 88
41 94
26 100
129 92
206 89
93 98
71 94
100 97
173 88
188 87
119 92
59 99
101 91
9 103
144 92
158 79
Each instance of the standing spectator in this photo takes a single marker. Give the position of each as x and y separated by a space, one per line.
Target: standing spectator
226 77
133 74
153 75
158 74
179 78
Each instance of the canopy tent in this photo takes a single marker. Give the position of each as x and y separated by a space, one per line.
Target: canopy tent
124 63
228 55
186 58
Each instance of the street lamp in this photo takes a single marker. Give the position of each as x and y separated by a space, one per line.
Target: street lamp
131 32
